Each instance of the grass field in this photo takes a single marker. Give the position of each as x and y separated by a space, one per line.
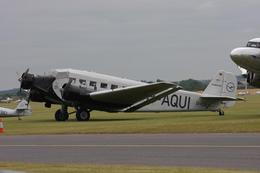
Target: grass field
244 117
57 168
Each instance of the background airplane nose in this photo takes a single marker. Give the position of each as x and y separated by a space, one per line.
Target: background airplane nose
244 53
236 54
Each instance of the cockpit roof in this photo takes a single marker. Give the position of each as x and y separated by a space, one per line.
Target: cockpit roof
254 43
255 40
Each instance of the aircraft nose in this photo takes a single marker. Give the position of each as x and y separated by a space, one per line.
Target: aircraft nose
243 55
236 54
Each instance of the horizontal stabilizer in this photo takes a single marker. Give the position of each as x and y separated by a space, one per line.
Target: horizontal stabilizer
221 98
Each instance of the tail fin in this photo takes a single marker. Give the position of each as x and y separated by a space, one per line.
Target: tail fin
223 85
23 105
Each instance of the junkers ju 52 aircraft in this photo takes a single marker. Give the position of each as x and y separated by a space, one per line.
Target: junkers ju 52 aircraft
87 91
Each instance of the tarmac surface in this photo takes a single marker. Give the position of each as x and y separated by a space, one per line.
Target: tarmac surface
240 151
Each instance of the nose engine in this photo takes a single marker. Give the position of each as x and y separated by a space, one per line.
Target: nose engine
40 87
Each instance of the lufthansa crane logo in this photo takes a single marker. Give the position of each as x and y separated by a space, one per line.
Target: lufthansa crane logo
230 87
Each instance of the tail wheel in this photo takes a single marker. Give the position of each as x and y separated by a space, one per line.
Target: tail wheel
82 115
221 113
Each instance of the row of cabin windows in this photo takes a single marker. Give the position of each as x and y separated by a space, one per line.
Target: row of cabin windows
94 83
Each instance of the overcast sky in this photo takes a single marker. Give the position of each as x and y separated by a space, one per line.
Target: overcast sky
137 39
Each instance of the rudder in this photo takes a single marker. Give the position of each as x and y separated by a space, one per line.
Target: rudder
224 84
23 105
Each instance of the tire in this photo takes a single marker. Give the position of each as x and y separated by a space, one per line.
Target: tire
82 115
61 116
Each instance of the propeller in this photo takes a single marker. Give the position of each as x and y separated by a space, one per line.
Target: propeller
26 80
23 77
23 83
66 86
27 96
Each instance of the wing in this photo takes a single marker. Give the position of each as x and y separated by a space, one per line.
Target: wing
151 99
131 95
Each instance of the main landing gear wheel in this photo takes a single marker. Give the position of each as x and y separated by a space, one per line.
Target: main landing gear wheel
82 115
221 113
61 115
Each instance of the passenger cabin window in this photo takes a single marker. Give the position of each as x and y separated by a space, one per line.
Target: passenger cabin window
82 82
253 44
114 86
93 83
103 85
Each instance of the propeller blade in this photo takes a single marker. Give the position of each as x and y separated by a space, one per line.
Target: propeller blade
22 77
68 84
27 70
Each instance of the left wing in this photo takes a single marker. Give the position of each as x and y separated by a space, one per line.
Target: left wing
131 95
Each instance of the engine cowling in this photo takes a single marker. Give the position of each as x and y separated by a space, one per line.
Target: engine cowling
27 81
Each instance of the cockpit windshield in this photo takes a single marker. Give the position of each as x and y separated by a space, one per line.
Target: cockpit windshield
253 44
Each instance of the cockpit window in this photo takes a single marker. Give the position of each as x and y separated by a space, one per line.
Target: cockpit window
73 80
253 44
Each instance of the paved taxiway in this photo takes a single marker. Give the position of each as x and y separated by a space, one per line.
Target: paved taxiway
204 150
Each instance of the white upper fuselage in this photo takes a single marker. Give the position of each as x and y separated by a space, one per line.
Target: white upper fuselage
248 57
89 80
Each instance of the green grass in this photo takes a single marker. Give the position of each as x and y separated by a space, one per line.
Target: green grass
78 168
244 117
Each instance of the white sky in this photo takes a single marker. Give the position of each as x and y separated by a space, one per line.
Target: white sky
137 39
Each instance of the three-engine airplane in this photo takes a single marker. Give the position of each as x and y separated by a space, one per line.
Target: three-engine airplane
22 109
249 58
87 91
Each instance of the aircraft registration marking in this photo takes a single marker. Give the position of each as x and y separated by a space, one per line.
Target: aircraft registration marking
177 101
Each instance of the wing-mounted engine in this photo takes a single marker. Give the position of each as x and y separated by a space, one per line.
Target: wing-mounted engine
80 97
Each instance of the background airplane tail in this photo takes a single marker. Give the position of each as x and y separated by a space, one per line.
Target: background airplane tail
23 105
223 88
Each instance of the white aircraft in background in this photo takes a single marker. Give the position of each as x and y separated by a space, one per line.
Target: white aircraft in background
87 91
249 59
22 109
7 100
